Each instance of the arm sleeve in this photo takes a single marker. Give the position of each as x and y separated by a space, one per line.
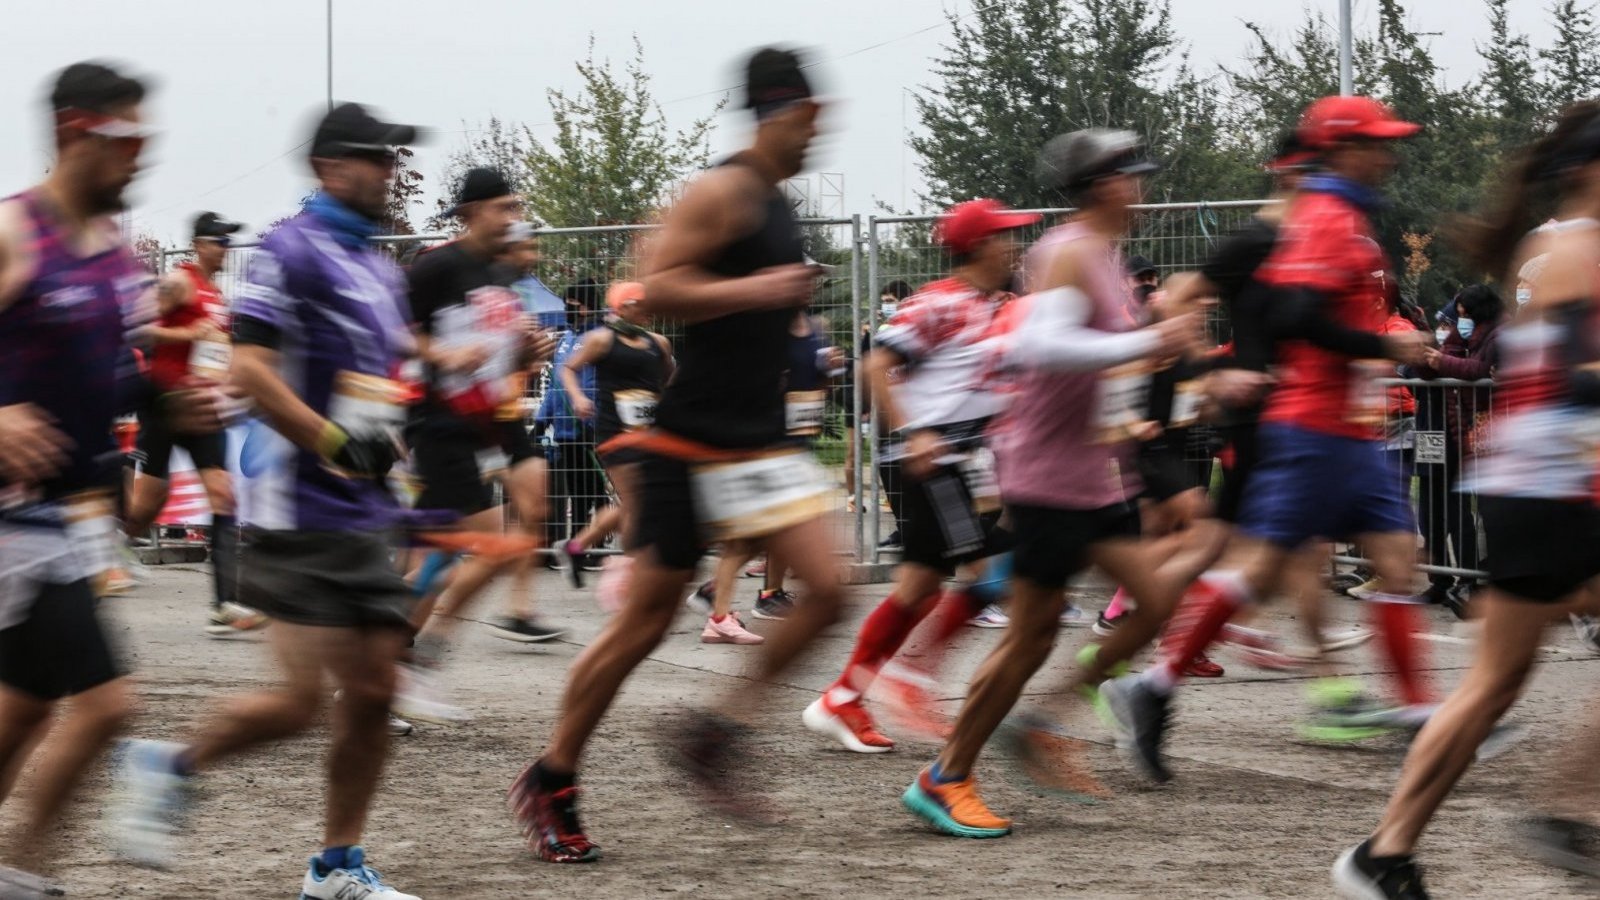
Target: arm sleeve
251 330
1054 335
1236 260
1301 313
427 291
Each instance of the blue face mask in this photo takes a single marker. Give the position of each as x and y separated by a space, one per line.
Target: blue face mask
1464 327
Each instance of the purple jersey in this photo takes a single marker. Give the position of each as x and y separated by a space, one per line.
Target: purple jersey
338 306
63 343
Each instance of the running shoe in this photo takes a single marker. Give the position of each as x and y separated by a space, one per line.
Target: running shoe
1142 714
1588 630
703 599
848 723
908 697
1202 666
1366 589
420 696
1261 649
231 618
1074 617
757 569
1502 737
711 751
991 617
356 881
1091 693
892 542
953 807
1104 626
16 884
1050 759
523 631
569 561
1459 600
152 802
728 631
774 606
1342 712
1345 638
592 562
1360 876
1563 843
399 727
549 821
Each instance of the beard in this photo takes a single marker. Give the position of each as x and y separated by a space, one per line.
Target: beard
107 200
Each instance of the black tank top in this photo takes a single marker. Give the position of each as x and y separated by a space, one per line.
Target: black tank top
728 390
637 375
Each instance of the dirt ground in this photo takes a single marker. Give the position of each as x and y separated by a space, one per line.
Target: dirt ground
1253 812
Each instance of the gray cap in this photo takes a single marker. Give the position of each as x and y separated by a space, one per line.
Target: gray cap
1072 161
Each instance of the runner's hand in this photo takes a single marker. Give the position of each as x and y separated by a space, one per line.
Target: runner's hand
922 447
31 449
464 359
1407 348
364 456
1178 334
584 409
784 286
196 410
1237 387
538 344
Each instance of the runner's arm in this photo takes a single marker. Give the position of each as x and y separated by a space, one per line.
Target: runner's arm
1564 289
594 345
1054 333
669 363
173 293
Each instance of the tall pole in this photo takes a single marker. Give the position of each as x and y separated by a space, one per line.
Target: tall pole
330 55
1347 81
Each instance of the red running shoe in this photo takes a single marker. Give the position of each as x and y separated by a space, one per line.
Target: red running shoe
549 821
906 694
1202 667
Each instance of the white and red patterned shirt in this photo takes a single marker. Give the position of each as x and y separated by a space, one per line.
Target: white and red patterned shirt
945 332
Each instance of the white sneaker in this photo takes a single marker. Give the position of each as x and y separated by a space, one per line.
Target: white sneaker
16 884
1588 630
1365 590
991 617
1073 617
420 696
231 618
356 881
1345 639
151 800
399 727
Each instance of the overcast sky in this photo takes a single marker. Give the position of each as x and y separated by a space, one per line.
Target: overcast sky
239 83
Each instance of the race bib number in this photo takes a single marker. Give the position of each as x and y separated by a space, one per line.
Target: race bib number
1368 398
977 469
756 497
1124 402
367 403
210 360
91 529
1187 398
636 409
804 412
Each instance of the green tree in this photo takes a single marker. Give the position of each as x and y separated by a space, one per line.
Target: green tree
495 144
1571 64
1512 92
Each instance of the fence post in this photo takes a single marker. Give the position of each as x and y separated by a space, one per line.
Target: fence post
870 509
854 425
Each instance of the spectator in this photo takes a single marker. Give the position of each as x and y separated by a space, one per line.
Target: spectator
889 300
577 486
1467 354
522 255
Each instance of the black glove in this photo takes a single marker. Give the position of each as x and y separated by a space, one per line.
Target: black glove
364 456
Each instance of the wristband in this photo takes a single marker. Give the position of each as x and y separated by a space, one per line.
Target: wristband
331 440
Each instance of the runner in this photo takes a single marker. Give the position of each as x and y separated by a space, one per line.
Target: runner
729 263
1535 492
1319 428
318 336
71 293
478 347
192 346
1064 457
632 365
941 340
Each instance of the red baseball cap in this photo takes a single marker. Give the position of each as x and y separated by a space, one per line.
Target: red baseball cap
965 224
1334 119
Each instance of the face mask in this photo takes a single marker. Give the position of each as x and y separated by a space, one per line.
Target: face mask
1143 292
1464 327
886 311
1441 334
1524 295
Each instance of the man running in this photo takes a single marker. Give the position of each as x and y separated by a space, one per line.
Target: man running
940 339
472 336
319 336
729 263
192 346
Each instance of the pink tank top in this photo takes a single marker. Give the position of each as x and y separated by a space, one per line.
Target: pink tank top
1047 452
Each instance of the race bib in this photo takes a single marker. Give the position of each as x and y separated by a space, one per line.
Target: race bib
977 469
91 529
367 403
1123 403
1368 399
210 360
1186 401
804 412
756 497
636 409
492 463
511 410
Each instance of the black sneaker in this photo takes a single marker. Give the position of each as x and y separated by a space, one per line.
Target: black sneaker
1104 626
1459 599
569 561
1361 876
523 631
892 542
702 599
592 562
1563 843
1143 714
774 606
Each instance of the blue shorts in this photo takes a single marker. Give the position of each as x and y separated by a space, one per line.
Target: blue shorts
1310 485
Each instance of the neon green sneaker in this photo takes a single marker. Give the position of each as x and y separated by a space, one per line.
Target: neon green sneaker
1091 692
1342 712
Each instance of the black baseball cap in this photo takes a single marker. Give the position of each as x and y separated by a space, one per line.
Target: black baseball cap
1140 265
480 183
211 225
1070 162
774 78
349 128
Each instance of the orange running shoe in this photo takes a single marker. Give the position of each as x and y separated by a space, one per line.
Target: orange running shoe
848 723
953 807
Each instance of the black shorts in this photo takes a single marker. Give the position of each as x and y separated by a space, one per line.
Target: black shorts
322 578
1052 545
60 649
1163 470
445 460
665 520
1242 438
942 528
156 440
1541 550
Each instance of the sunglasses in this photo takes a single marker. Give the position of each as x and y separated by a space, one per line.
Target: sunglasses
385 158
222 241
